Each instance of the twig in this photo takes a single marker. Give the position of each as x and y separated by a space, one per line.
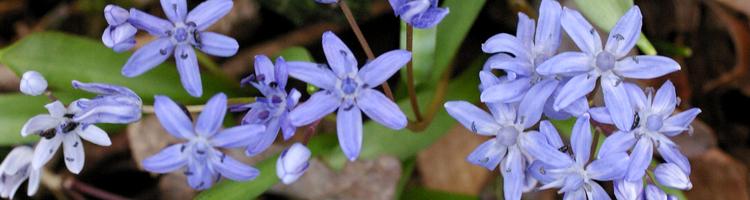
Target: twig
363 42
310 131
74 185
53 183
410 75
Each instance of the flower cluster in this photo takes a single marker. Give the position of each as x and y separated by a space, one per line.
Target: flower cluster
537 80
176 36
65 126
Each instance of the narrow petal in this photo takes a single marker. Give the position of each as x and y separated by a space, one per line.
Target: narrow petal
95 135
679 122
172 118
597 192
44 151
237 136
506 43
56 109
625 33
209 122
167 160
572 183
601 115
581 31
148 57
282 72
74 155
566 63
618 104
208 12
349 131
665 99
610 167
525 30
260 141
654 193
538 170
550 133
187 66
536 145
512 169
640 158
340 58
503 113
320 104
315 74
506 92
579 194
176 10
578 86
200 176
645 67
672 154
619 141
581 139
101 89
670 175
637 98
233 169
217 44
472 117
532 105
383 67
151 24
381 109
33 184
429 18
506 62
39 123
548 29
488 154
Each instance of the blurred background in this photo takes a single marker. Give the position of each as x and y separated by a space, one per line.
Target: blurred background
710 39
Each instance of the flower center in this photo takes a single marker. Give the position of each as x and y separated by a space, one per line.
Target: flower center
184 33
349 86
605 61
180 34
654 123
507 136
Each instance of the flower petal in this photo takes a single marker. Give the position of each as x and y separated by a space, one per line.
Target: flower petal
187 66
472 117
33 184
217 44
550 133
625 33
44 151
601 115
628 190
95 135
507 91
233 169
577 87
148 57
506 62
172 117
175 10
679 122
315 74
381 109
548 29
618 104
488 154
597 192
654 193
567 64
167 160
281 71
640 158
209 121
672 154
39 123
506 43
383 67
637 98
74 155
349 131
581 31
645 67
429 18
340 58
536 145
670 175
320 104
237 136
610 167
581 138
260 141
208 12
200 176
512 168
56 109
532 105
665 100
619 141
151 24
525 30
575 195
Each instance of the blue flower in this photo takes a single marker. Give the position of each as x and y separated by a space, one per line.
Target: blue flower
120 34
654 125
327 1
33 83
574 175
178 36
670 175
349 90
292 163
422 14
273 109
58 128
113 104
15 169
653 192
199 156
609 62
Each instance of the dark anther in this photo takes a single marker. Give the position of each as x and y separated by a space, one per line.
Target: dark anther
365 85
222 157
169 33
591 31
201 184
344 53
201 152
183 55
618 37
260 77
182 148
70 126
473 127
75 144
636 121
185 110
348 108
635 59
188 173
69 159
2 178
49 133
275 99
197 37
69 116
273 84
563 149
163 51
322 66
485 159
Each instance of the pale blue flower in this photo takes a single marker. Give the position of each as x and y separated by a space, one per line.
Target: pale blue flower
327 1
15 169
120 34
350 91
33 83
178 36
292 163
653 192
113 104
199 156
422 14
273 109
670 175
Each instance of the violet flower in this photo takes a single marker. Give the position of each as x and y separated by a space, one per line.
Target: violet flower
120 34
178 36
421 14
348 90
15 169
292 163
33 83
199 155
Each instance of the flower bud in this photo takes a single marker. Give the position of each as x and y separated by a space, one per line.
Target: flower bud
292 163
115 15
113 104
671 175
33 83
119 35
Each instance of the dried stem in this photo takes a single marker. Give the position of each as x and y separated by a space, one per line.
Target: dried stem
365 46
74 185
436 104
310 131
410 75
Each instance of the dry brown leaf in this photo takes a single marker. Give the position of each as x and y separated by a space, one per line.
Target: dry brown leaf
718 176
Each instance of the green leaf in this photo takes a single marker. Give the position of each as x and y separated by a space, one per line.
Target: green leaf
16 110
296 54
424 193
605 13
423 53
452 31
62 58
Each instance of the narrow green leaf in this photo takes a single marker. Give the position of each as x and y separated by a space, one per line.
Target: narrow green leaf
62 58
423 53
605 13
296 54
16 110
424 193
452 31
